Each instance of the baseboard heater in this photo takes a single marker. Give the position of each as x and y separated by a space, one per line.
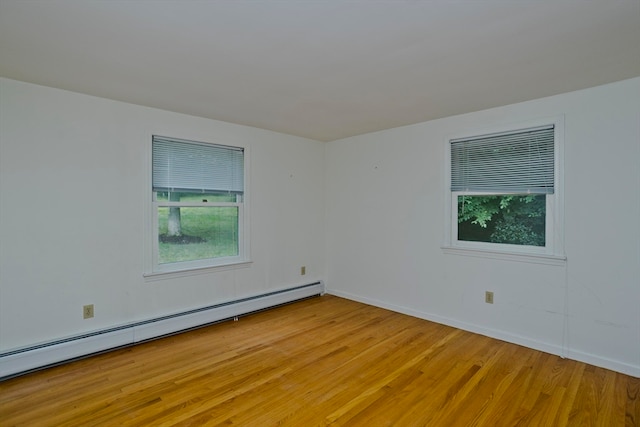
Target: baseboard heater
21 361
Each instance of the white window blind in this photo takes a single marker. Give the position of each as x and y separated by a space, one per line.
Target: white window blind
192 167
515 162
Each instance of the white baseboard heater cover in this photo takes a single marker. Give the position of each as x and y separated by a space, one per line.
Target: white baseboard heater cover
22 361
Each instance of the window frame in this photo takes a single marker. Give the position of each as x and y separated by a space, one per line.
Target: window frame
553 251
184 268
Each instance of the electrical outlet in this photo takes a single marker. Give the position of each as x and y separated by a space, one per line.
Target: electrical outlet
87 311
303 270
488 297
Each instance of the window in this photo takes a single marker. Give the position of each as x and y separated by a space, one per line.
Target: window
505 193
198 209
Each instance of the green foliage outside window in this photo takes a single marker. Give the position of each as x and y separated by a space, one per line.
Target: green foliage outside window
510 219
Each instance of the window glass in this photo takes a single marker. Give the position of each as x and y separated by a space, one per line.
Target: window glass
195 233
516 219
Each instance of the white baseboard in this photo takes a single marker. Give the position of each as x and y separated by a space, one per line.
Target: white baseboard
16 362
604 362
579 356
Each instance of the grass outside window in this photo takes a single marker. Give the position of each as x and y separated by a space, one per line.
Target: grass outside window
207 232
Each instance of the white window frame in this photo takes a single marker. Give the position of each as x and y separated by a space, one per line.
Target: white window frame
553 251
202 266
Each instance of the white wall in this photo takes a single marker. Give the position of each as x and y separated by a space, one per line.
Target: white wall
74 176
385 225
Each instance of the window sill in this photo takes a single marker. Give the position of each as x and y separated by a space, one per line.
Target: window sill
161 275
558 260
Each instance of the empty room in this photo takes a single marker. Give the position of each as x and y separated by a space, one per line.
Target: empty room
355 213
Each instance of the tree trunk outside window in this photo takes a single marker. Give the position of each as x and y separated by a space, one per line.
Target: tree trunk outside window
174 226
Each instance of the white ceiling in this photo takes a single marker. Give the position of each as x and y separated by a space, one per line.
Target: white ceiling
324 69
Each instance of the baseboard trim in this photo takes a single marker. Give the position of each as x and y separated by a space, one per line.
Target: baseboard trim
23 360
579 356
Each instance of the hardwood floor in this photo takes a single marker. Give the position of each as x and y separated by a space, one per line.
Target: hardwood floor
323 361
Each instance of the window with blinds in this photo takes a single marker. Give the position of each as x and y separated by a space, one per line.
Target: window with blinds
198 197
502 185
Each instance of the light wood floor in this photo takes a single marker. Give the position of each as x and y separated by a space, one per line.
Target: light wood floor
323 361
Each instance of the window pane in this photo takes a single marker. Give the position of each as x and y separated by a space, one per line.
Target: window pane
511 219
194 233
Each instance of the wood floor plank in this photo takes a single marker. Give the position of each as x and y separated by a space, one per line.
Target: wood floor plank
323 361
632 407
